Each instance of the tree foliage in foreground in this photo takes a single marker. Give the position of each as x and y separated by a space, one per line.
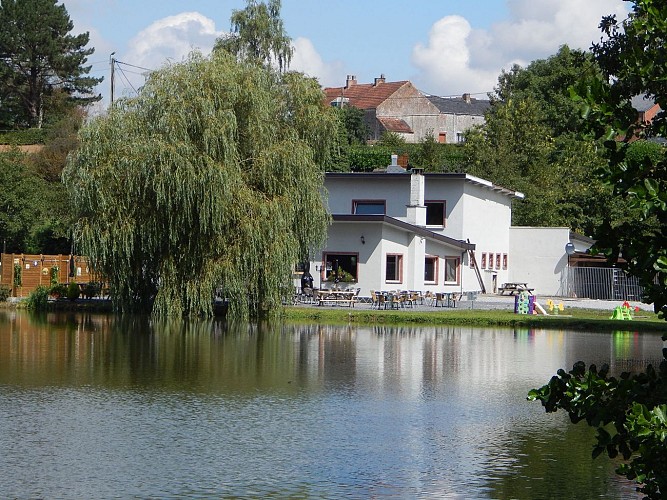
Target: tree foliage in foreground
630 413
633 62
209 180
42 68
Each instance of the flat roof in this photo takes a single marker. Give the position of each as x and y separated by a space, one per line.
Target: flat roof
445 175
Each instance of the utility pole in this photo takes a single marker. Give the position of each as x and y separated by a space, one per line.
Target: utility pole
113 64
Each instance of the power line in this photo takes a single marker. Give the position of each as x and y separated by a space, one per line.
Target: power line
133 65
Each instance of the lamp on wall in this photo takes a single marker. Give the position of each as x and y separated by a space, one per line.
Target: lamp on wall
363 240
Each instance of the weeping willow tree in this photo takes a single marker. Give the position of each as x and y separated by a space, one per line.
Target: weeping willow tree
210 181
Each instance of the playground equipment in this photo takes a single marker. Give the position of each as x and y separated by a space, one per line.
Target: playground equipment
524 303
623 312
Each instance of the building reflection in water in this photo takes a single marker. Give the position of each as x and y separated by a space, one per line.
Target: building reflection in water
89 349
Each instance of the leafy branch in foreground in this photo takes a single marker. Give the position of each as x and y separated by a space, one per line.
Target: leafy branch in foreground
629 413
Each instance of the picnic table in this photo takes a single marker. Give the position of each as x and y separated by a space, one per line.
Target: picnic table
513 287
344 297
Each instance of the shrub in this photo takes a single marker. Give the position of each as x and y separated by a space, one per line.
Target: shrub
92 289
58 291
18 275
54 275
38 299
20 137
73 291
5 292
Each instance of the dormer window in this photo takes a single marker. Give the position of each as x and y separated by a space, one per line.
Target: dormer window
339 102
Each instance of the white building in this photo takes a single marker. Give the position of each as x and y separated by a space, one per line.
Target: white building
414 231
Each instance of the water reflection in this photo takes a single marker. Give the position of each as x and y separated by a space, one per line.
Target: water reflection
94 405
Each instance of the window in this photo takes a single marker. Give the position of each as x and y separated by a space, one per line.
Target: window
369 207
490 261
498 261
343 265
451 270
430 270
504 261
442 137
435 213
394 268
483 264
459 138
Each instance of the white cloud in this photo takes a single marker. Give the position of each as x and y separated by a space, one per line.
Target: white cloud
459 59
307 60
166 40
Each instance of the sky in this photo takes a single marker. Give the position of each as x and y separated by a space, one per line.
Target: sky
444 47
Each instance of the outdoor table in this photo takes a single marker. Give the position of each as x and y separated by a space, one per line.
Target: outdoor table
513 287
335 297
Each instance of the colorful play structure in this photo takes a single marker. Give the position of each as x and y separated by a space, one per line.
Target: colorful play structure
624 311
525 303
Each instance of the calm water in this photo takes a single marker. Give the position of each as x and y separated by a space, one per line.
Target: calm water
101 407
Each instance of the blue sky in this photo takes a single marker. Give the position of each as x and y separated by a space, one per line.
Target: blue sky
445 47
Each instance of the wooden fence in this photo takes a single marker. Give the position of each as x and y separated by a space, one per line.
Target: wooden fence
24 272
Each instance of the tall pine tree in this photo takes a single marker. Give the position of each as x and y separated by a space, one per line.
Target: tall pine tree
40 62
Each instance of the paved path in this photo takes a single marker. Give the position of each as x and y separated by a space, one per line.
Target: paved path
506 302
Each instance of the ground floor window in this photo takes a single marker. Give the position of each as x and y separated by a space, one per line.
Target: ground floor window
394 268
431 270
342 266
452 270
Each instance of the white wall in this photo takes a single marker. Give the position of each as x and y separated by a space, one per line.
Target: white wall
538 257
394 189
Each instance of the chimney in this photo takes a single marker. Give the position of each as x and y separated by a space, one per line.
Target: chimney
351 81
466 98
394 160
379 80
416 213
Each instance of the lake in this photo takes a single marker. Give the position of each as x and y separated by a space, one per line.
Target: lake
98 406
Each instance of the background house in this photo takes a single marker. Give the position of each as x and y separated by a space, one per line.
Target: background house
458 114
401 108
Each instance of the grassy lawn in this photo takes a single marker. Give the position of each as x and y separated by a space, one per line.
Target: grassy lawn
573 319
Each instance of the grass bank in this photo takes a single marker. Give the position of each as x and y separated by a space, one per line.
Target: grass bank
575 319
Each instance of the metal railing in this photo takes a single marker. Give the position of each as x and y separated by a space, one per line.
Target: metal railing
605 283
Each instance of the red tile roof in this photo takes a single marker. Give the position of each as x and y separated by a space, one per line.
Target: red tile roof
395 125
364 95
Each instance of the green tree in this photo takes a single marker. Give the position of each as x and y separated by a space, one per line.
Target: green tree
356 129
546 82
210 180
631 61
33 212
630 412
41 64
532 145
393 141
428 154
258 35
513 149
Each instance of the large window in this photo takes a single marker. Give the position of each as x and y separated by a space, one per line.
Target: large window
430 270
394 268
369 207
451 270
343 265
435 213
